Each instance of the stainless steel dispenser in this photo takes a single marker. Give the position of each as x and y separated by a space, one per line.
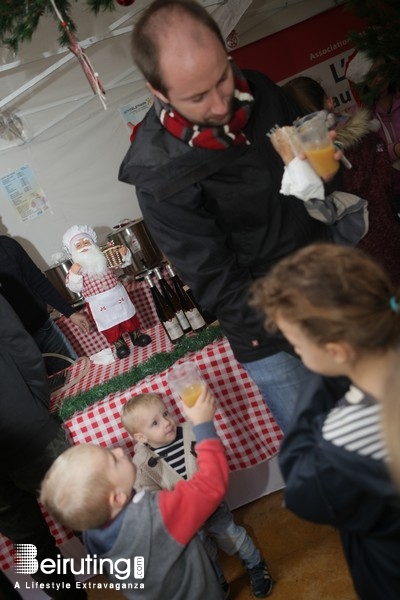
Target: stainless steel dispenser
135 235
56 275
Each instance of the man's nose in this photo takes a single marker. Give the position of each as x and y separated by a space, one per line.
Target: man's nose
219 103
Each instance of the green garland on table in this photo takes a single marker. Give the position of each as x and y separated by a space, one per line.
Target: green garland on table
155 364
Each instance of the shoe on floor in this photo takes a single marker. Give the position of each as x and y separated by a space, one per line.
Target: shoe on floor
121 348
139 339
260 580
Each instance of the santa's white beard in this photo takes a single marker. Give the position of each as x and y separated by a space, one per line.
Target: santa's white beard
92 261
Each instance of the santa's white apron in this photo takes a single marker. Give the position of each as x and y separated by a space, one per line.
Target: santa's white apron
111 307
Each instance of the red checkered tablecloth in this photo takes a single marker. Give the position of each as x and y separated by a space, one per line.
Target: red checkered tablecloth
86 344
100 373
244 423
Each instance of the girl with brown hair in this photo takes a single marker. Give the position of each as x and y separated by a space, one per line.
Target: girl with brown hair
341 313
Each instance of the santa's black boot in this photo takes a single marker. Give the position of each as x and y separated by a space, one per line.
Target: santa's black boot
139 339
121 348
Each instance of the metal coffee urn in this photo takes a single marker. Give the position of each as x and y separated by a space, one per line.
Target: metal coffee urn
135 235
56 274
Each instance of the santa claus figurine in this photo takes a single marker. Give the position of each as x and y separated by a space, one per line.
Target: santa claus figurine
106 297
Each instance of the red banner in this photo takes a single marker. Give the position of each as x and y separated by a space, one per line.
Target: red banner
318 47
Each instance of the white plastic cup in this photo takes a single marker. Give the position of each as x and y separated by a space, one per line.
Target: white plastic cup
186 381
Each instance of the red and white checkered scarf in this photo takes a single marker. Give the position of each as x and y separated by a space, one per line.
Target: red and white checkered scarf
213 138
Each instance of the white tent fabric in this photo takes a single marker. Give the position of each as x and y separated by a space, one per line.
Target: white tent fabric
72 145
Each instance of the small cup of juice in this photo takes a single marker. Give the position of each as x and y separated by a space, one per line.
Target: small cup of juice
186 381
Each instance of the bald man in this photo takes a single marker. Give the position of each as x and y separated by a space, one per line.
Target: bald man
207 179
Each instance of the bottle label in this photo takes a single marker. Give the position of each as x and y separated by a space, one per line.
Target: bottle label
184 323
195 319
173 328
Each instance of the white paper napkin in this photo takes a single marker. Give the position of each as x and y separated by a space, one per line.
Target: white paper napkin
300 180
104 357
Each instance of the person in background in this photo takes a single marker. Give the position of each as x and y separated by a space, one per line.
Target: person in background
341 312
30 440
164 455
107 298
91 489
360 70
371 174
207 179
391 426
29 292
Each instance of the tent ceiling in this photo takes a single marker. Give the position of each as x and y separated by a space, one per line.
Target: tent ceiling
43 83
43 56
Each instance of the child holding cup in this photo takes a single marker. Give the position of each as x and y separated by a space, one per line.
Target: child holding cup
165 455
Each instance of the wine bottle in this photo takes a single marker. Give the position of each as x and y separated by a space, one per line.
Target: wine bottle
165 313
189 306
207 316
172 297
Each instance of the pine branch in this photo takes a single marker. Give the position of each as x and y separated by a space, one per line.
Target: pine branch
155 364
97 6
19 19
380 40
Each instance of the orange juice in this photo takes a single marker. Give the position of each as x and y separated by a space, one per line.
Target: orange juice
190 393
322 161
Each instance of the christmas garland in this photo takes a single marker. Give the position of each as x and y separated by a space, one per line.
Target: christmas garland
155 364
20 19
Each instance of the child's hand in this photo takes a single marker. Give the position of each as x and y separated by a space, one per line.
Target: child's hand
204 408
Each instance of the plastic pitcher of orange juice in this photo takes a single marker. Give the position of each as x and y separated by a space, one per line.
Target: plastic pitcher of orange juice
318 147
185 379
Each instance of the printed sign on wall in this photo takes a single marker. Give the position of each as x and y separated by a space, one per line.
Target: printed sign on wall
23 191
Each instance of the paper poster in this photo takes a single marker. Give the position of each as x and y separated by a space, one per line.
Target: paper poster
134 112
22 189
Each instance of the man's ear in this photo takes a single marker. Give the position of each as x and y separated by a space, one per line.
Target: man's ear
140 437
157 94
341 352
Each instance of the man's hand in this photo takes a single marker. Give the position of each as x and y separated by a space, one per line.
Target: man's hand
81 321
204 408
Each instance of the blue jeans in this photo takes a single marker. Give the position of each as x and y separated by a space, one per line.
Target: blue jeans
49 338
280 378
221 531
